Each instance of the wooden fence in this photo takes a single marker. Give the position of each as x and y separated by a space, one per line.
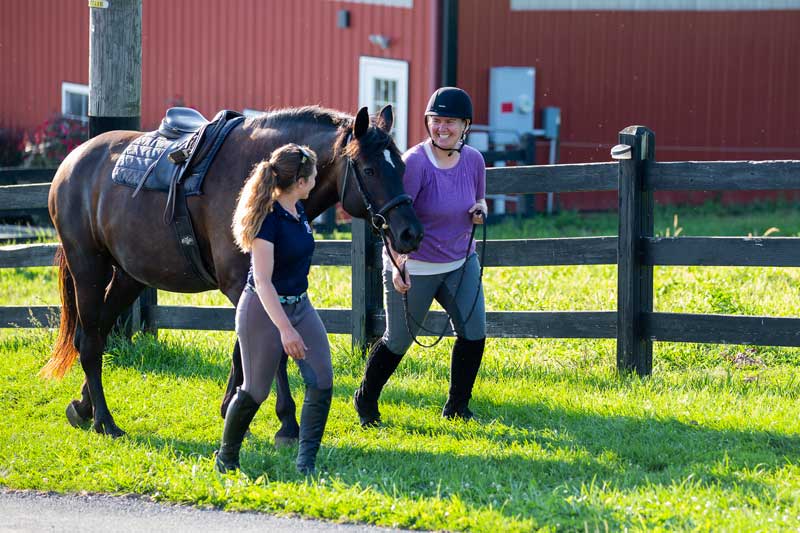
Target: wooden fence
635 251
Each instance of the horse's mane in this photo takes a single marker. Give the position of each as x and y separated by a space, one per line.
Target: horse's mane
375 139
310 114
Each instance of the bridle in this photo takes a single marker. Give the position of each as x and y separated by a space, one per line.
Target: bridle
378 219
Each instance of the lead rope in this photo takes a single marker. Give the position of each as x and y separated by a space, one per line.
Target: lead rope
463 267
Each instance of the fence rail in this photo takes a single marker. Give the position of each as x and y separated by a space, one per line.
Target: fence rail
635 251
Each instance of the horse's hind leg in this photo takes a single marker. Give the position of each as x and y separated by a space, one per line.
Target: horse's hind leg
98 309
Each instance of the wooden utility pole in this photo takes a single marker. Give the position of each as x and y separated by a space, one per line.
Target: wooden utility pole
115 99
115 65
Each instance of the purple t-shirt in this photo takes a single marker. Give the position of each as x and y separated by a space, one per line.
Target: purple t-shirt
442 198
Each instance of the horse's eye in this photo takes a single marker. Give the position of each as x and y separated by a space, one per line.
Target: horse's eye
369 172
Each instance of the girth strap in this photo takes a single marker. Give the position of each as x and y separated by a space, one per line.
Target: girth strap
182 222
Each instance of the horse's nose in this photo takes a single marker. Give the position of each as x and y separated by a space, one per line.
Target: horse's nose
410 238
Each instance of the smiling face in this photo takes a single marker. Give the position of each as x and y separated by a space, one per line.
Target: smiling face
446 131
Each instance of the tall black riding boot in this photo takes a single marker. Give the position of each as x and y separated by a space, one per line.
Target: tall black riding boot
381 364
464 364
240 413
313 417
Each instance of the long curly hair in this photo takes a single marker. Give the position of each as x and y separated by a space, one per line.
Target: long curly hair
268 179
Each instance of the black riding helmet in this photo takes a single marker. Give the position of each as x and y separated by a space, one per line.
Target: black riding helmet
450 102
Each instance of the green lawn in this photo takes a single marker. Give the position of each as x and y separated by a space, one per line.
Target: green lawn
710 442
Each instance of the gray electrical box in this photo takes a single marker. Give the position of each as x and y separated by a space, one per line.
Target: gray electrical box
551 121
511 103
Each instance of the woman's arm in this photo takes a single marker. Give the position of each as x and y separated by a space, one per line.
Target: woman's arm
263 253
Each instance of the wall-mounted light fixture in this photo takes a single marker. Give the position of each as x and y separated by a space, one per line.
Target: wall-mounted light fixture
381 40
343 18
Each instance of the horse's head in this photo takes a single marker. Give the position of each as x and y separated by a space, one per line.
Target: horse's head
371 186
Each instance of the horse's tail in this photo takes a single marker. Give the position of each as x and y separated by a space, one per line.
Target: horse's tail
64 352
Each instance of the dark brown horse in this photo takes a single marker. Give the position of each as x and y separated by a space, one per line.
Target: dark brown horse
113 245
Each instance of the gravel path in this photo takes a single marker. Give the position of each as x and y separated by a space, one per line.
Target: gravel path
36 511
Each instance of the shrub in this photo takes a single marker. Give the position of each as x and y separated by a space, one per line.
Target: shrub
53 140
11 147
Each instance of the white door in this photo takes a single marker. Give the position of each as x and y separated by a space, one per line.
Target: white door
385 81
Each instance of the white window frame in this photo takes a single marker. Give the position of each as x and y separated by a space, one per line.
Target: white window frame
74 88
370 68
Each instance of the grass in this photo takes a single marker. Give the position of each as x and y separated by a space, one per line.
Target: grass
711 441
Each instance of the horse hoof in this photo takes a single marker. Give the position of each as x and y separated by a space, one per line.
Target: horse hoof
285 442
74 418
110 430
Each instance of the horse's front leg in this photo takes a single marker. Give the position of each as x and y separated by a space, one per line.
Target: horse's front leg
235 378
285 408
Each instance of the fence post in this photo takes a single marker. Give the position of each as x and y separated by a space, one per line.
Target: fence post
634 279
147 303
367 287
140 316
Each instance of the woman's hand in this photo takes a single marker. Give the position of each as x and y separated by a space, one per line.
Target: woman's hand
478 212
401 281
293 343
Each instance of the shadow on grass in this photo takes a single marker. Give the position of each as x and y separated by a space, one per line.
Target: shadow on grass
148 354
666 447
542 460
477 481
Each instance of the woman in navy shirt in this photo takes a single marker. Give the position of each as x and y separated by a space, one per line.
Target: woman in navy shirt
274 314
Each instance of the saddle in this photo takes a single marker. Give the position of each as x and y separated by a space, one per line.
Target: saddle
174 159
178 152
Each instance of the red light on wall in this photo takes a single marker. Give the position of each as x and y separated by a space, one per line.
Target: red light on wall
506 107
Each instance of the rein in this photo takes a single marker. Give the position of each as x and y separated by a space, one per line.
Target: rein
463 267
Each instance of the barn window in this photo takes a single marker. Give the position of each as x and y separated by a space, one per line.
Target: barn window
75 100
382 82
384 93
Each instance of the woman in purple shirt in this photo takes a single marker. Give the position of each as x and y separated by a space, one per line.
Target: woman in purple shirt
447 181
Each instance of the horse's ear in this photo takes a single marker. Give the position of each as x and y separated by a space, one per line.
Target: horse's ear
386 118
362 123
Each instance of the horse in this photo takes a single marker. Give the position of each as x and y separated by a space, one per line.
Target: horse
113 245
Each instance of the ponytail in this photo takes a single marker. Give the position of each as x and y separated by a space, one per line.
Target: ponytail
286 165
254 204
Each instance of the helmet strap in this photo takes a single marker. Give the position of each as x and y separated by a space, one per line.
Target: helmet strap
461 142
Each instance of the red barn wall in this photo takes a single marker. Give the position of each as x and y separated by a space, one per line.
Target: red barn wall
712 85
212 55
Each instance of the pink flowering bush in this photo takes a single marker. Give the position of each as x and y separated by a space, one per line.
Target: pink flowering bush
52 140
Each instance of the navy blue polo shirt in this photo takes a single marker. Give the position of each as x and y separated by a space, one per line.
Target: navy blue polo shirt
294 246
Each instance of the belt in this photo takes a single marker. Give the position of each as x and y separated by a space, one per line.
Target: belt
292 299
